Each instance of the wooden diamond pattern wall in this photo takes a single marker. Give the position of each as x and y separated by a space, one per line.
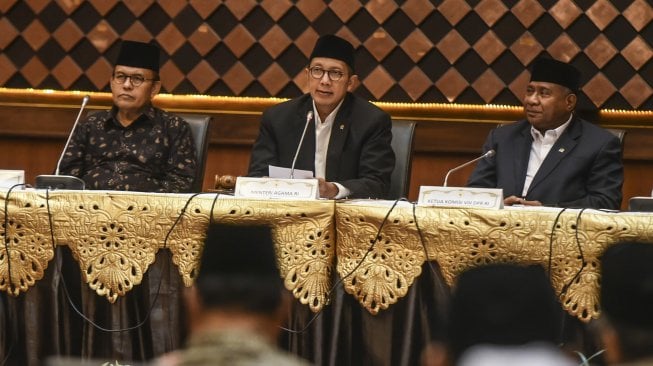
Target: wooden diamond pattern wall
413 50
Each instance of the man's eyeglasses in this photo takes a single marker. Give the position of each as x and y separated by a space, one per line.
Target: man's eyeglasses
135 79
318 73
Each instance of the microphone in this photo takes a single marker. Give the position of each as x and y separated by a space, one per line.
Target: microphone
488 154
63 181
309 117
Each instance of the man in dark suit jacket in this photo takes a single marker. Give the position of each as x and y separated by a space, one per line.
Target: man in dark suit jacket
347 143
553 157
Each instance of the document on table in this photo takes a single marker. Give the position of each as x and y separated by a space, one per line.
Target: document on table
284 173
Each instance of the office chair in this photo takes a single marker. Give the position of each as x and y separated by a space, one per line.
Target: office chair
619 133
199 125
402 145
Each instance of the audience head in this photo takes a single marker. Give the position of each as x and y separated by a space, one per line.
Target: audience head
551 93
135 79
505 305
627 301
238 270
330 72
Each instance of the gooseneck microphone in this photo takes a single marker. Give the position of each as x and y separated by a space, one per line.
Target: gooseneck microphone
488 154
70 135
63 181
309 117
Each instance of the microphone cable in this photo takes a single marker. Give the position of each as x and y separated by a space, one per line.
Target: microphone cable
329 294
423 242
565 288
553 229
580 254
156 295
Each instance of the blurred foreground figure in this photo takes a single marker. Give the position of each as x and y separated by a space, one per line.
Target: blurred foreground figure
237 304
627 304
502 315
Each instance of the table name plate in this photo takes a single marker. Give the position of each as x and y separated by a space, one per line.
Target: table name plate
276 188
491 198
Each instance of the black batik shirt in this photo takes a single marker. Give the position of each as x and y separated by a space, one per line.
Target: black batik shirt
156 153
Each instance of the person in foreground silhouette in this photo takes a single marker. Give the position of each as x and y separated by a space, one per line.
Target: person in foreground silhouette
501 315
626 322
236 306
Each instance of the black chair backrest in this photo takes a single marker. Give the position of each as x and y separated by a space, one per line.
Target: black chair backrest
199 125
402 145
642 204
619 133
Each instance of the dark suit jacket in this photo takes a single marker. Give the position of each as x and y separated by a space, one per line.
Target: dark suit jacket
583 168
359 155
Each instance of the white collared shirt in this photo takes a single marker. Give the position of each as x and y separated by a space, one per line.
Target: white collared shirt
322 137
540 149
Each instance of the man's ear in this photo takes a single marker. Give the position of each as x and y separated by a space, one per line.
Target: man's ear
193 303
352 83
282 312
610 340
156 87
571 101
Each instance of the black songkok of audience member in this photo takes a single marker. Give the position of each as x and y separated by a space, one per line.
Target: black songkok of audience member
503 304
238 269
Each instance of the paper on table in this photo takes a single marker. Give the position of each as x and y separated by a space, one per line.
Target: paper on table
284 173
8 178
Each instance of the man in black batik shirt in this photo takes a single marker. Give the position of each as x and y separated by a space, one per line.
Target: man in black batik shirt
133 146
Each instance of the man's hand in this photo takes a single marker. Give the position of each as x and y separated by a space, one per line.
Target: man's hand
327 189
514 200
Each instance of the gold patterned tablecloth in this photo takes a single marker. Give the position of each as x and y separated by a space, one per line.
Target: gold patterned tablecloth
570 241
115 237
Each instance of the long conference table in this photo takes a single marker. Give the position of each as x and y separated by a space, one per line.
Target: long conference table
99 274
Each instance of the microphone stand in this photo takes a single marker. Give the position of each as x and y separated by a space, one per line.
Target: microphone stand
57 181
309 116
488 154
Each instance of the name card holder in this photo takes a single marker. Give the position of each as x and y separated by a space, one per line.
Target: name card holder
277 188
491 198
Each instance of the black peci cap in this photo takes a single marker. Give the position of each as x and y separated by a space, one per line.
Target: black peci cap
627 283
139 54
331 46
556 72
503 304
239 250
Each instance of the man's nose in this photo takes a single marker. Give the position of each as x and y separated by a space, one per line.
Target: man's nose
532 98
325 78
127 83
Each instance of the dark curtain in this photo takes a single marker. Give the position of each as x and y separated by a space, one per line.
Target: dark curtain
54 317
344 333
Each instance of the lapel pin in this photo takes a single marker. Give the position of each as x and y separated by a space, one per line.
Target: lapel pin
342 127
562 149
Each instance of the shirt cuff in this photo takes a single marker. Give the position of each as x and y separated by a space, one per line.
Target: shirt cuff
342 191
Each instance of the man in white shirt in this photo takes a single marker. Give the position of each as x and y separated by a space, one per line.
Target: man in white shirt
553 157
347 142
